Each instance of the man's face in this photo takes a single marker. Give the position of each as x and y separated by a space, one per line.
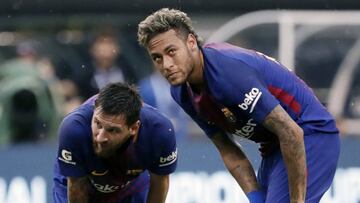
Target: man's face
105 51
172 56
110 132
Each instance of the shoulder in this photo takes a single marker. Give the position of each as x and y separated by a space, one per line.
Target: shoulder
76 126
152 119
157 141
155 126
229 51
228 68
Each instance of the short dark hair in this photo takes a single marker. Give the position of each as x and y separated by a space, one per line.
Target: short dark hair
120 98
162 21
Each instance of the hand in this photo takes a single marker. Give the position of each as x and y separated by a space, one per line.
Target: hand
297 201
267 148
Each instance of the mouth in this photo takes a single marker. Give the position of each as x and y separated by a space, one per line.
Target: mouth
172 76
101 149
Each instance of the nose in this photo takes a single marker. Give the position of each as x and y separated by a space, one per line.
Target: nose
101 136
168 62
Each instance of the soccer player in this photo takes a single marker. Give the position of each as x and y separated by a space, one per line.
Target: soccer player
229 90
114 149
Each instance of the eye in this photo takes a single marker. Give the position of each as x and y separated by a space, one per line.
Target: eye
113 130
171 52
157 59
98 124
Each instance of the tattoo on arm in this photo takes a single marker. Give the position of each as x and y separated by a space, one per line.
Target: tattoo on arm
292 148
78 190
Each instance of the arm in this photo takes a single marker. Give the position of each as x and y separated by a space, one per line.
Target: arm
159 185
236 162
291 138
77 190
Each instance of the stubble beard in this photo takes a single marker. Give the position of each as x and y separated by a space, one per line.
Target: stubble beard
100 152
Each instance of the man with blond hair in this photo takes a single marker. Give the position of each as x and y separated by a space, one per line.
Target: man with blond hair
231 91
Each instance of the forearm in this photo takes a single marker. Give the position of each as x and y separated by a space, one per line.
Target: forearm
293 152
78 190
158 188
237 163
291 139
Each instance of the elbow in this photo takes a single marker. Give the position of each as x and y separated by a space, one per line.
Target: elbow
295 135
299 133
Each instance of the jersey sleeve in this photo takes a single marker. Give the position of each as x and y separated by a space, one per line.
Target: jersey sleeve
70 156
165 152
183 101
243 86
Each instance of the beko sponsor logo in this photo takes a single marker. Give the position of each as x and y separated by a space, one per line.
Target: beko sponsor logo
251 99
165 161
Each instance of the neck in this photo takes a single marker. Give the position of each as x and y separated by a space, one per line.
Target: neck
196 80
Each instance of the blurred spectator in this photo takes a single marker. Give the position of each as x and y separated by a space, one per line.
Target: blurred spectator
154 90
28 95
107 65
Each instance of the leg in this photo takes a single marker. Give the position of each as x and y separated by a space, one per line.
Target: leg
273 178
322 153
322 157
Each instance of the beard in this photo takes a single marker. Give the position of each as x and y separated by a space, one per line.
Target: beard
108 150
103 151
188 68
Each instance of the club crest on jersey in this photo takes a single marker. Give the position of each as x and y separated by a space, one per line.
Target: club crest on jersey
134 172
251 99
229 115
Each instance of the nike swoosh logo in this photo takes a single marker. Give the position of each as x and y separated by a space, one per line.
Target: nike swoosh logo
95 173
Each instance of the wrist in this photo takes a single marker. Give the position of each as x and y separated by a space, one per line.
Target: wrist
256 196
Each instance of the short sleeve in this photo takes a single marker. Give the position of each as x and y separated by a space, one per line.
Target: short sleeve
70 157
165 152
241 85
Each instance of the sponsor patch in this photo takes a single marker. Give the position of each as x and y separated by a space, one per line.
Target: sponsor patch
66 157
165 161
251 99
247 130
107 188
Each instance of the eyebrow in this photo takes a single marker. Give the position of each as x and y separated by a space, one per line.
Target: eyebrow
107 123
155 54
114 128
166 49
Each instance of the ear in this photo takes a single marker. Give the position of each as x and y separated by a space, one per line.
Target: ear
134 129
191 42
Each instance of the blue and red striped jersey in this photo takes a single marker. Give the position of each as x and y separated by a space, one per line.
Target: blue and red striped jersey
242 87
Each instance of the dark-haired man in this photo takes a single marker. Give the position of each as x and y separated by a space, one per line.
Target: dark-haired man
114 149
231 90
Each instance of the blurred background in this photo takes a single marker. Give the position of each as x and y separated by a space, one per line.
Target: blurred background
55 54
